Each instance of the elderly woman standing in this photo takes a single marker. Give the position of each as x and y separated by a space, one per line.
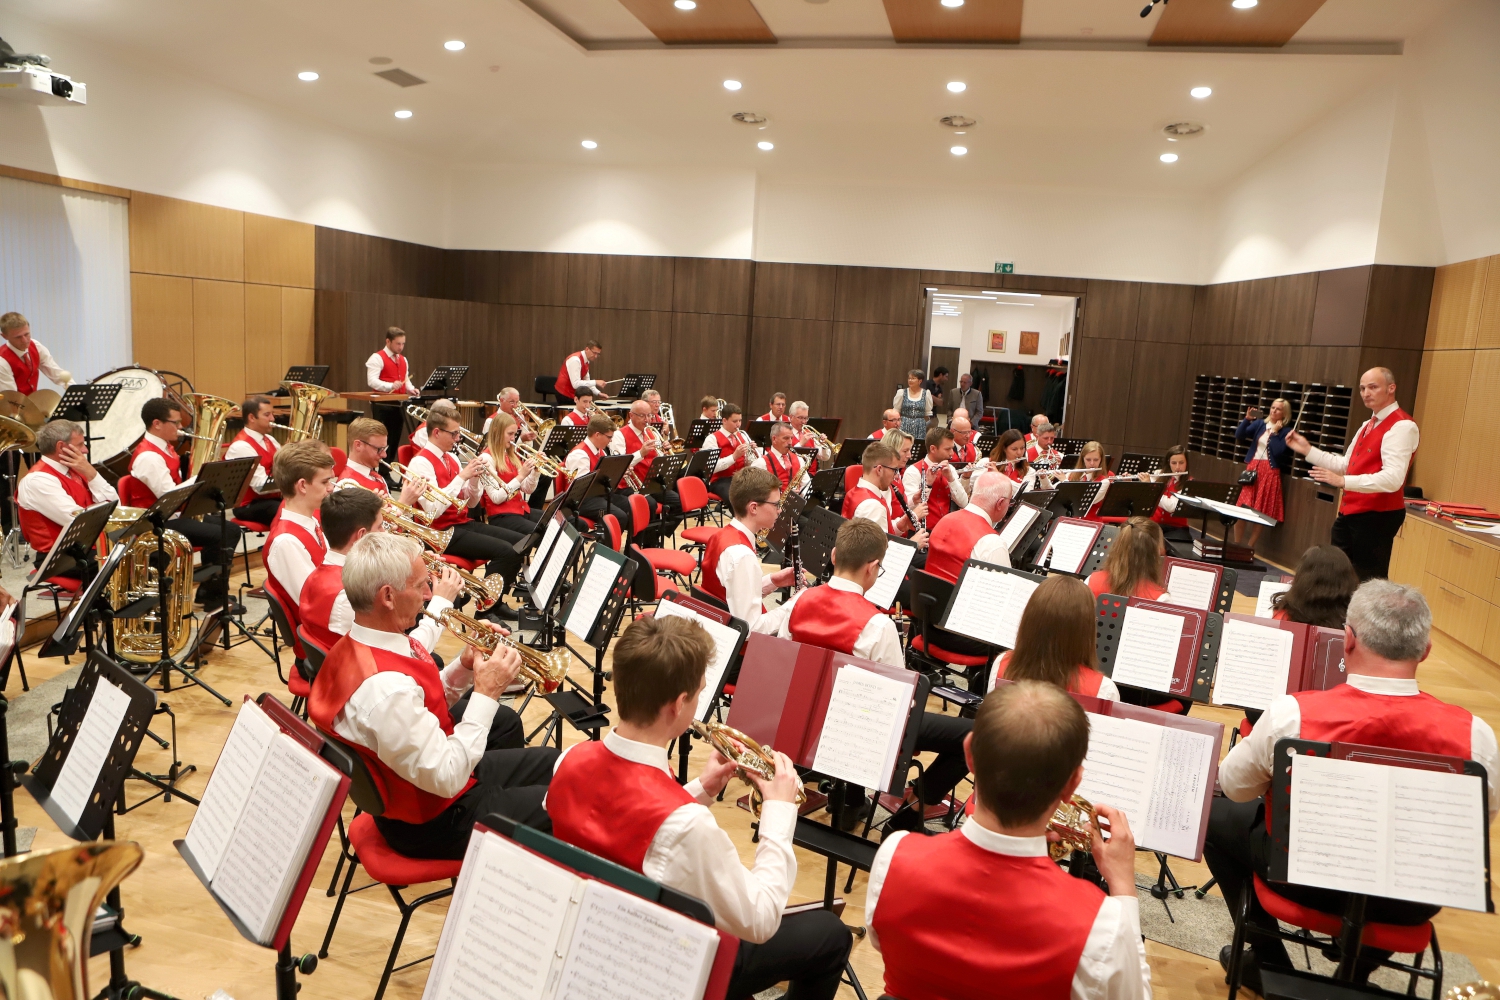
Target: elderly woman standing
1267 457
914 403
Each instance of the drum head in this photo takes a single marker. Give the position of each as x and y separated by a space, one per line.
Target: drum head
122 426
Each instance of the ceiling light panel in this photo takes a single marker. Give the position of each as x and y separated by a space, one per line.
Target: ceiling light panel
723 21
931 21
1215 22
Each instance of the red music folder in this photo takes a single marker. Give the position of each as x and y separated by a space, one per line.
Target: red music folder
1323 666
1128 640
1192 583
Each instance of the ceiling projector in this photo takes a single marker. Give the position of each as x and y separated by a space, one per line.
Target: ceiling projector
27 78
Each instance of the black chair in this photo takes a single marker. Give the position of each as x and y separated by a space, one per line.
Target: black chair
646 587
544 386
935 650
315 654
297 680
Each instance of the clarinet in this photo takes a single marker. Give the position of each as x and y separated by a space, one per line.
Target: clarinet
905 507
794 550
925 492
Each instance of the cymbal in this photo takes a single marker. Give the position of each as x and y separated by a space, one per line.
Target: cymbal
46 401
26 408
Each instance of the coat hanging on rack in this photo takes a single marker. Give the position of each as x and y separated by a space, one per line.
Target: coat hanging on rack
1018 383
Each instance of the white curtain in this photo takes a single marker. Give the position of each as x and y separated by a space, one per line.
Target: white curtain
65 264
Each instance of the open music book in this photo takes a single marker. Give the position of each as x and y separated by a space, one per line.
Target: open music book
1017 526
523 928
264 805
1255 661
899 554
726 642
988 602
1192 587
592 590
1149 643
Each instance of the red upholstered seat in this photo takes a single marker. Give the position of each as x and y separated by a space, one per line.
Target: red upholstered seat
1387 937
1171 706
405 453
132 493
693 494
612 525
297 684
671 560
250 525
957 659
664 587
852 475
701 535
462 563
340 459
388 867
64 583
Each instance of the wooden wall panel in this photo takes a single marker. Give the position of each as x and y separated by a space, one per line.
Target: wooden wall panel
708 359
1488 333
1398 307
992 22
1213 312
171 236
1166 313
1441 400
161 322
354 262
1457 291
631 282
1044 283
1292 304
1339 311
878 295
1154 418
1474 477
297 330
279 252
1102 380
712 285
585 279
972 279
791 356
634 340
1211 22
263 338
868 357
1254 307
219 338
795 291
1111 309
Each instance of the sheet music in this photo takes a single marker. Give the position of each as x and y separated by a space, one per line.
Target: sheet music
1192 588
269 845
898 558
1147 654
627 948
989 604
229 786
725 640
1155 774
543 549
1070 546
1254 661
96 734
546 583
1118 767
1019 523
1437 838
504 928
590 595
1268 590
863 727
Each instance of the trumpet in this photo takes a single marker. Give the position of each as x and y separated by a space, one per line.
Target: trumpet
1074 822
487 477
422 413
545 464
484 590
430 493
749 757
662 444
818 436
546 670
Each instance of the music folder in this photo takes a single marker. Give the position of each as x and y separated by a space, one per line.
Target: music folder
728 633
1159 647
1069 544
987 602
837 714
1261 659
1198 584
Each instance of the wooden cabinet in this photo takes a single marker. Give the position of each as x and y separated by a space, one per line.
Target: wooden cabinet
1459 573
1462 561
1457 612
1409 555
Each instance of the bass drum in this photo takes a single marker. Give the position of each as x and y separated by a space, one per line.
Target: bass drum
122 428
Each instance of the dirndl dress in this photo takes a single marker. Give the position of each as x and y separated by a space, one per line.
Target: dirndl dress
1265 495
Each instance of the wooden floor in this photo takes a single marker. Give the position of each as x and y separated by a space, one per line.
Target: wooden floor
190 950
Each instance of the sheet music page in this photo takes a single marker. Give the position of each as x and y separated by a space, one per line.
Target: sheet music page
96 734
1268 590
626 948
543 549
1193 588
1254 661
1437 838
862 730
725 641
1017 526
1176 813
546 583
1118 769
503 931
989 605
1340 825
589 598
1071 546
898 559
1147 654
270 842
229 786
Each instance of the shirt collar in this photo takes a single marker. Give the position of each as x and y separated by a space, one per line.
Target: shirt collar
391 642
309 523
1381 414
1370 684
158 442
975 509
749 535
430 448
360 469
637 753
333 558
388 353
999 843
847 586
258 437
62 470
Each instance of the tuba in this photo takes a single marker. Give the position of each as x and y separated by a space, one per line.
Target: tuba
546 670
139 639
210 416
749 756
15 435
304 423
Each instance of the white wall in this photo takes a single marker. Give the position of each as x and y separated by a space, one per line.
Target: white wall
1051 321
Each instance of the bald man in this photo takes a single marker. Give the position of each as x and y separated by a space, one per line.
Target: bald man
964 452
1372 474
889 420
643 445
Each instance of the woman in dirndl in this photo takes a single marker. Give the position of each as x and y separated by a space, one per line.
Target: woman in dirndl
1268 457
914 403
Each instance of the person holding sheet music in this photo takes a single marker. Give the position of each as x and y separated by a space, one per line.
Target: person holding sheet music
505 503
442 758
617 798
583 459
1173 528
1386 637
387 371
1268 457
574 373
970 533
58 486
1133 567
296 544
777 410
731 566
583 409
258 503
890 420
1025 927
1055 641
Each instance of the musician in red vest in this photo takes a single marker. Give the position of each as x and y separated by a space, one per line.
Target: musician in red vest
260 499
970 533
643 445
964 450
777 410
1173 528
583 409
25 359
296 545
585 458
804 436
1372 474
935 476
419 433
58 486
387 371
574 373
736 450
617 798
890 420
441 759
156 468
779 459
1386 636
731 567
514 479
1028 929
871 498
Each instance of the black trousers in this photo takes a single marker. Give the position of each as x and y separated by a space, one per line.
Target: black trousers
720 489
209 534
538 497
477 540
260 510
594 508
1367 539
521 524
393 415
510 778
1238 846
943 735
809 949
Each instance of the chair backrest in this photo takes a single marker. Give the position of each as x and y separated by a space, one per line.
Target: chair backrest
405 453
544 384
133 492
314 654
283 623
643 584
692 493
640 514
852 473
340 459
612 525
929 596
363 788
697 593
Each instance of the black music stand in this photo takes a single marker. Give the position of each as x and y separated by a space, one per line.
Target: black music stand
220 484
817 528
85 403
585 714
759 431
311 374
611 470
851 452
828 486
664 472
1133 463
791 506
635 386
1131 499
563 439
826 426
444 380
1070 446
702 463
808 455
700 429
1073 499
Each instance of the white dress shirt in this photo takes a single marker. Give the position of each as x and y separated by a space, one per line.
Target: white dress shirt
373 367
574 366
878 511
424 466
1396 449
244 449
913 479
1246 772
387 714
878 640
726 453
290 562
989 549
617 446
341 618
151 469
740 574
1113 963
692 855
45 364
45 495
574 418
419 437
506 491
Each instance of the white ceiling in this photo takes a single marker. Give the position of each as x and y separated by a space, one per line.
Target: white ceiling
523 92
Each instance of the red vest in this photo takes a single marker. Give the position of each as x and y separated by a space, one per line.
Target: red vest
1364 460
574 419
726 443
1086 680
267 455
393 369
784 471
610 806
322 587
309 541
859 495
594 457
957 922
25 371
768 415
40 530
953 542
939 499
830 618
1098 582
516 504
348 665
634 443
444 469
371 482
173 460
964 452
725 538
565 381
1161 517
877 434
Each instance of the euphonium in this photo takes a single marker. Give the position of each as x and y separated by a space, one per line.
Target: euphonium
485 592
210 416
546 670
14 435
749 756
304 423
1074 822
137 639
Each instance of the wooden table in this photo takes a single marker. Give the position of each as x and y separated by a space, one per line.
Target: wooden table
1458 571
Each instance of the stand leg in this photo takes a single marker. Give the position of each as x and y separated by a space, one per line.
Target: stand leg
121 986
7 788
1349 935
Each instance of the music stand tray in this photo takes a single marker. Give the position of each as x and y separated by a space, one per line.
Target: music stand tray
1073 499
88 401
80 534
851 452
817 527
1127 499
702 463
311 374
561 440
1132 463
444 380
635 386
700 429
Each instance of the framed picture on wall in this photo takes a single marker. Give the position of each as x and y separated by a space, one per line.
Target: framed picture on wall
997 342
1030 341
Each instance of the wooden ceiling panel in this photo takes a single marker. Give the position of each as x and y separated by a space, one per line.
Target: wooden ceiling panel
976 21
1215 22
711 22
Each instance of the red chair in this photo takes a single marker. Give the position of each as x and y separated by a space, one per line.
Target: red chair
296 679
405 453
468 565
246 527
694 497
675 561
852 475
133 493
340 459
612 525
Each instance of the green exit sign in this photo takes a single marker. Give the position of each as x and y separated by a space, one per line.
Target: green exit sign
1005 267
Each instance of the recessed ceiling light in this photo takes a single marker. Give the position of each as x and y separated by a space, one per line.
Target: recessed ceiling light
958 150
1201 92
1244 4
454 46
957 87
953 3
766 146
732 85
589 144
403 113
1169 157
307 76
685 4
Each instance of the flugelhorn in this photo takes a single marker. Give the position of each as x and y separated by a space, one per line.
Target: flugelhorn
546 670
749 757
484 590
545 464
430 537
430 493
1074 823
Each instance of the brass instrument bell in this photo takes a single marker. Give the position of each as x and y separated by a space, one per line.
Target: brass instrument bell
1074 822
749 756
485 591
546 670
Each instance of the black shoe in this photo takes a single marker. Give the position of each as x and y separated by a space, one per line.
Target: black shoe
212 602
1249 969
852 816
500 613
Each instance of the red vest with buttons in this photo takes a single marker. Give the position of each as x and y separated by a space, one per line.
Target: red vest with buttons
393 369
593 455
40 530
725 538
564 381
992 925
173 460
830 618
1086 680
726 443
634 443
610 806
1364 460
939 499
952 543
853 498
25 370
445 468
319 591
370 482
294 534
266 452
348 665
574 419
1161 517
516 504
783 469
964 452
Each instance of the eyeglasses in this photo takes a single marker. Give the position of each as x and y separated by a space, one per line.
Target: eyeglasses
891 468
